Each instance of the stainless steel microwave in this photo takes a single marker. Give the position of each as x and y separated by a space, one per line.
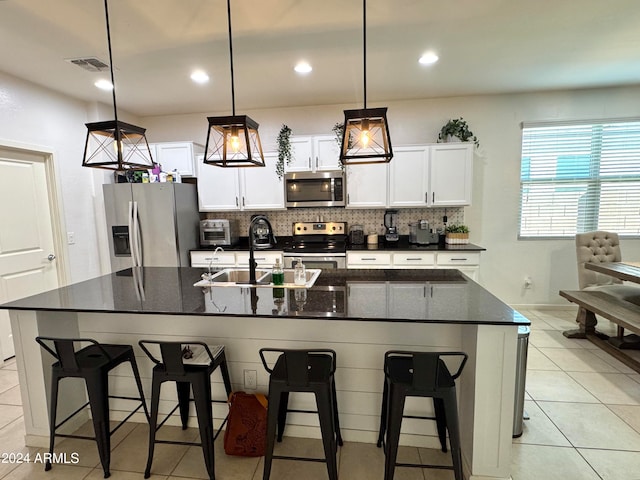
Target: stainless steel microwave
315 189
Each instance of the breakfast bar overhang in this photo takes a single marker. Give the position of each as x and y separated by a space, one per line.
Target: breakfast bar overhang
358 313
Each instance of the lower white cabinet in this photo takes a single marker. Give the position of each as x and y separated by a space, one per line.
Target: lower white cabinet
225 259
367 300
467 262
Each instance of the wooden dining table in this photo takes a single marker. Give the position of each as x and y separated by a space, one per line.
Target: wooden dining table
629 271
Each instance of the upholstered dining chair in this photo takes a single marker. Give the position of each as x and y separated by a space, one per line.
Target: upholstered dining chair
604 247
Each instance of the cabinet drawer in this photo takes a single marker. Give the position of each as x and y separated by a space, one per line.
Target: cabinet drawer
414 259
263 259
368 258
206 258
459 258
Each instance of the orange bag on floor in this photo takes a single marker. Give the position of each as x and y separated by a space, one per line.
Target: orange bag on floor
246 429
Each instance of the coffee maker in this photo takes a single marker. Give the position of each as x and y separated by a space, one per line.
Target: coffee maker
391 234
261 232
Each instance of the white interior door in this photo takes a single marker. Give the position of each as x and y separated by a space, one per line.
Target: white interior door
27 258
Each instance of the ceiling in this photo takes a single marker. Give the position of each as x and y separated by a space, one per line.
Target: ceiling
485 46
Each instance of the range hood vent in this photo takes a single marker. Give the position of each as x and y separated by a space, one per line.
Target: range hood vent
91 64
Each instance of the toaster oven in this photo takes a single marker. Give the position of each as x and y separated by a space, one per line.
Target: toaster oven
218 232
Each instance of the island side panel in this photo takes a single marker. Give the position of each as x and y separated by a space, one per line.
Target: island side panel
487 392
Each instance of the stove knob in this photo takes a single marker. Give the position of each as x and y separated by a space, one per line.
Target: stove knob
304 228
298 228
334 227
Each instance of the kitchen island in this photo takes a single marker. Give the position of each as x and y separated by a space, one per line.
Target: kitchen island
359 313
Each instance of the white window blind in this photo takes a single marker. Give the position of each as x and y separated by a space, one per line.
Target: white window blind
578 178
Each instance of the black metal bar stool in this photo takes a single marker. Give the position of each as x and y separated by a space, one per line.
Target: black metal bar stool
92 363
303 371
178 364
420 374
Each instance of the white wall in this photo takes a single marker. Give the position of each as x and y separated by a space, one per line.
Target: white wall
493 218
39 117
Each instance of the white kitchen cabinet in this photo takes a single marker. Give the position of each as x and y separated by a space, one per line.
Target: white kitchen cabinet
367 185
207 259
367 259
180 156
408 300
264 259
413 259
409 177
247 188
260 188
218 188
314 153
467 262
450 174
367 300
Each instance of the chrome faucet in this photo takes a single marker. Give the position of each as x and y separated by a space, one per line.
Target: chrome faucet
252 262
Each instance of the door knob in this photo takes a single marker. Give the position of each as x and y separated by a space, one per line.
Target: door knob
51 257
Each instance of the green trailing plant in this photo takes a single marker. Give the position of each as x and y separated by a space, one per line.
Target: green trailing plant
338 130
285 152
459 128
457 229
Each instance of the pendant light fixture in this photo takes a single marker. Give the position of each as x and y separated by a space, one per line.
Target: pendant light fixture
113 144
365 136
233 141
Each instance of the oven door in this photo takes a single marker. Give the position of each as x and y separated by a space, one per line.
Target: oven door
316 260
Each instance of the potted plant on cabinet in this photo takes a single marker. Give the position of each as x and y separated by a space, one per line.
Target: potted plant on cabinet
457 235
457 128
285 152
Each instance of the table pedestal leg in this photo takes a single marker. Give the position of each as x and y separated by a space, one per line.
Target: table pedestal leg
587 322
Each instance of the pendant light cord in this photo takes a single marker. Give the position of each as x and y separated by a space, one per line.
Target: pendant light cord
364 44
233 91
113 83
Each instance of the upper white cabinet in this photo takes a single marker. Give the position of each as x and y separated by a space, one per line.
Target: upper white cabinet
180 156
409 177
247 188
438 175
312 154
450 174
367 185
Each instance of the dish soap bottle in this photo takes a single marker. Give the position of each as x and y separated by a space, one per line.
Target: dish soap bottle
299 277
277 273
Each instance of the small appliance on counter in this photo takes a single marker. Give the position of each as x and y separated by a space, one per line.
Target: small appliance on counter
218 232
356 235
262 234
392 234
421 234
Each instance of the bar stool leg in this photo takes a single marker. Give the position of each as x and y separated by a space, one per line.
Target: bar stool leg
441 422
394 423
325 414
98 392
282 414
272 420
55 380
202 398
183 401
451 409
153 422
225 375
384 414
136 375
334 406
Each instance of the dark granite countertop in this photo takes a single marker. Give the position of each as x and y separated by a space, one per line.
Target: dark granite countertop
429 296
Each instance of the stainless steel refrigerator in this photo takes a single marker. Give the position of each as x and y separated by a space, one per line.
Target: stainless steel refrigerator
151 224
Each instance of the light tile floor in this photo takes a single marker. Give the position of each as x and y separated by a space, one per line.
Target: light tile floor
584 409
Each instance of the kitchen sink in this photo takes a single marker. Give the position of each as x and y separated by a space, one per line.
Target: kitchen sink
234 277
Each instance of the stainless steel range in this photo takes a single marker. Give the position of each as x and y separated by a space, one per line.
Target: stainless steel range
318 244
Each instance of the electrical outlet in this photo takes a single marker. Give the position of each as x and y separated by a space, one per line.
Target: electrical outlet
250 379
528 282
71 238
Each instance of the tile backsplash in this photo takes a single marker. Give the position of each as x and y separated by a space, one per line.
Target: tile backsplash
371 219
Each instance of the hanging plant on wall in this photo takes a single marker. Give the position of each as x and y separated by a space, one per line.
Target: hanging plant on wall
338 130
458 128
285 152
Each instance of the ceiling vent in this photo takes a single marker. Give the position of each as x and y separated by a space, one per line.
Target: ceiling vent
90 64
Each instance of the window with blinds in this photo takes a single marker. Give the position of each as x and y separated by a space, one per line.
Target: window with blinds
581 177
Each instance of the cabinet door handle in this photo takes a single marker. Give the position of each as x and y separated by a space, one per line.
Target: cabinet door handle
368 258
426 197
348 199
317 163
309 163
414 259
458 259
236 201
260 258
433 197
243 201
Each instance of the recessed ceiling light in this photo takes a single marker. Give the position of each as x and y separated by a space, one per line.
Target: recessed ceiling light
199 76
103 84
428 58
303 67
